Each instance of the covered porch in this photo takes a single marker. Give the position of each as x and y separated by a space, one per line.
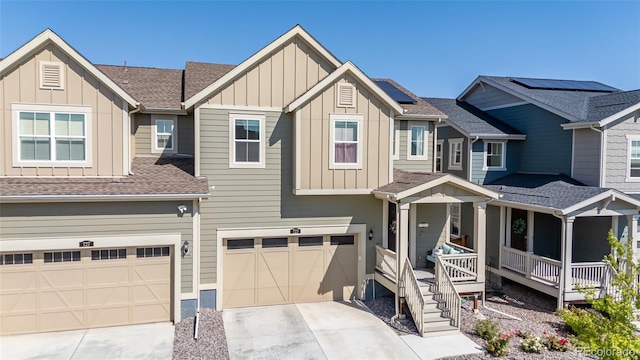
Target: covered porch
425 259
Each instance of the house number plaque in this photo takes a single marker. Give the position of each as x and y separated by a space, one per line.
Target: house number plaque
86 243
295 231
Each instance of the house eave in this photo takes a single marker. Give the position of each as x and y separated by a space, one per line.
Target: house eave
97 198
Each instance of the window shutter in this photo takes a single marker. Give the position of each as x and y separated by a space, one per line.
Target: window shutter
51 75
346 95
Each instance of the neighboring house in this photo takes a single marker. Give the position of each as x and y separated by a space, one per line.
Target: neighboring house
134 194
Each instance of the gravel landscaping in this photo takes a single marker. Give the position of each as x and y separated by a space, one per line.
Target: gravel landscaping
211 343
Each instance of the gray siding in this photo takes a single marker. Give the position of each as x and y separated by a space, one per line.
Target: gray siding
143 133
480 176
547 235
185 134
493 235
617 153
249 198
446 133
428 238
586 156
414 165
467 222
548 147
487 96
590 238
32 221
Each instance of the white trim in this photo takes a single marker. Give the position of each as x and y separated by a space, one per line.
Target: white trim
209 286
297 145
241 108
154 134
84 198
425 145
504 106
358 118
232 141
392 122
530 230
332 191
462 183
603 158
48 35
485 154
195 245
255 58
359 230
188 296
395 140
196 142
606 121
336 75
507 228
61 74
436 157
72 242
573 153
87 111
628 177
126 139
413 238
453 142
385 223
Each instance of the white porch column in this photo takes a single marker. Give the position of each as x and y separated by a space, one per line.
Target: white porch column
567 259
402 247
480 236
413 215
385 223
632 231
503 234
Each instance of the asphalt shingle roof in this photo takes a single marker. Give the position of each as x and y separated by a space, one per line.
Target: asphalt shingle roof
199 75
405 180
471 120
421 107
155 88
152 175
551 191
601 107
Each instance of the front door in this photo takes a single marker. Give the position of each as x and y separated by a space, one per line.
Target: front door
519 229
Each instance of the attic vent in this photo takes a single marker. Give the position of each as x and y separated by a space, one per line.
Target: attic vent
51 76
346 95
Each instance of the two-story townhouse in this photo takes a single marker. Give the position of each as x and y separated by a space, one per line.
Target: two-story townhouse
94 221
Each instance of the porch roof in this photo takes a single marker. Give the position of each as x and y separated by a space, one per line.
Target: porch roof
406 183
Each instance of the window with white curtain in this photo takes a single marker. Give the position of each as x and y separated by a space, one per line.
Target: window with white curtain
455 154
418 142
454 211
346 150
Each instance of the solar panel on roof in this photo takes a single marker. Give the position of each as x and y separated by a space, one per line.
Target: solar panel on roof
395 93
571 85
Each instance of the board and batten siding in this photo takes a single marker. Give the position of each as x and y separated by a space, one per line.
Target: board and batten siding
278 79
586 156
403 163
617 153
21 85
447 133
143 134
548 147
91 220
253 198
487 96
315 141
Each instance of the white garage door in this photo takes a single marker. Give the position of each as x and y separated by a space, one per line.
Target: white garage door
267 271
75 289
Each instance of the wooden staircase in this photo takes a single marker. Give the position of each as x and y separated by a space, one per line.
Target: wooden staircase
434 314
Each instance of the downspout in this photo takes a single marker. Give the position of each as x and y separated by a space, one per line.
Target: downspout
196 264
136 110
470 169
602 155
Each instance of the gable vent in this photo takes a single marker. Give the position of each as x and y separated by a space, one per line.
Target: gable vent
51 75
346 95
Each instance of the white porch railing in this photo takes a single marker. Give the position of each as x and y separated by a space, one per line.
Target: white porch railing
447 292
386 262
588 274
413 295
514 259
531 265
461 267
545 269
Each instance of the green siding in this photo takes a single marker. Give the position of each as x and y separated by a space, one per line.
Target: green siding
56 220
403 134
428 238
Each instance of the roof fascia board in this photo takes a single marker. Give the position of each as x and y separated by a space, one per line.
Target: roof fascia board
458 128
253 59
619 114
49 35
87 198
421 117
359 75
540 209
468 89
600 197
498 137
464 184
163 111
579 125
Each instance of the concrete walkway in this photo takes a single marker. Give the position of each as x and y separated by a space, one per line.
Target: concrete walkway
148 341
328 330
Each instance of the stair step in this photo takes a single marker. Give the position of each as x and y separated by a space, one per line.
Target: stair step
431 313
440 331
435 322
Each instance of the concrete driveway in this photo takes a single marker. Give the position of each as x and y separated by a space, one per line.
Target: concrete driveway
328 330
148 341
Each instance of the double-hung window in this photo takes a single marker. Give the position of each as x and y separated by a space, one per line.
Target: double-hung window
454 215
51 135
455 154
247 141
417 142
164 135
633 173
494 156
346 147
439 155
396 142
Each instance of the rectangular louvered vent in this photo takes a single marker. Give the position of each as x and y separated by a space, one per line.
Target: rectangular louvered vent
346 95
51 75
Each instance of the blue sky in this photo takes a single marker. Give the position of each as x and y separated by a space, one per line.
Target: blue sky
433 48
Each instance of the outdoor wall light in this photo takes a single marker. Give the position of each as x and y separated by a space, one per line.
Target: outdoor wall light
371 234
185 248
182 208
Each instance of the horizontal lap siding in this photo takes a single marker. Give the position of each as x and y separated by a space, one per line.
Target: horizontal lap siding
484 97
617 153
22 85
143 134
403 136
86 220
586 156
480 176
447 133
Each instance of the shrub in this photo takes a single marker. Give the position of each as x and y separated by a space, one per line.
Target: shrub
530 343
499 345
556 342
487 329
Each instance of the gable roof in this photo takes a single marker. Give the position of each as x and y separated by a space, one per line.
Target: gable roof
421 107
472 122
199 75
347 67
49 36
255 58
157 89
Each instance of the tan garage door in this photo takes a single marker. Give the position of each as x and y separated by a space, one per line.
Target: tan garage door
75 289
267 271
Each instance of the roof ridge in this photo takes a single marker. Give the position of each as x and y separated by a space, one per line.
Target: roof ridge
139 67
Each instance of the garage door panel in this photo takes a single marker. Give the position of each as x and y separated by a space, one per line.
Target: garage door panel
239 279
342 271
18 324
152 271
20 302
54 299
151 292
150 313
308 274
105 275
108 296
63 320
273 277
57 278
111 316
12 280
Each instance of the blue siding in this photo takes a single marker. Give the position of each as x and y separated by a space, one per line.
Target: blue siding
445 133
548 147
480 176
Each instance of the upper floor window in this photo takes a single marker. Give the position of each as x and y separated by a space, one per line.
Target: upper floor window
346 147
247 141
51 135
455 154
633 173
494 156
439 155
417 142
164 135
396 142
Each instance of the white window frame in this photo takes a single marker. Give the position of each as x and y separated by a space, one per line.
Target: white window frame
16 109
425 154
452 144
455 212
332 147
485 154
439 156
396 142
630 139
60 66
154 135
232 148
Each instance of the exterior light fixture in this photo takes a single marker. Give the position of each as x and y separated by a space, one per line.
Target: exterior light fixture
185 248
371 234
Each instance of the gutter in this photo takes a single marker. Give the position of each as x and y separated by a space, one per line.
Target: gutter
83 198
470 154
